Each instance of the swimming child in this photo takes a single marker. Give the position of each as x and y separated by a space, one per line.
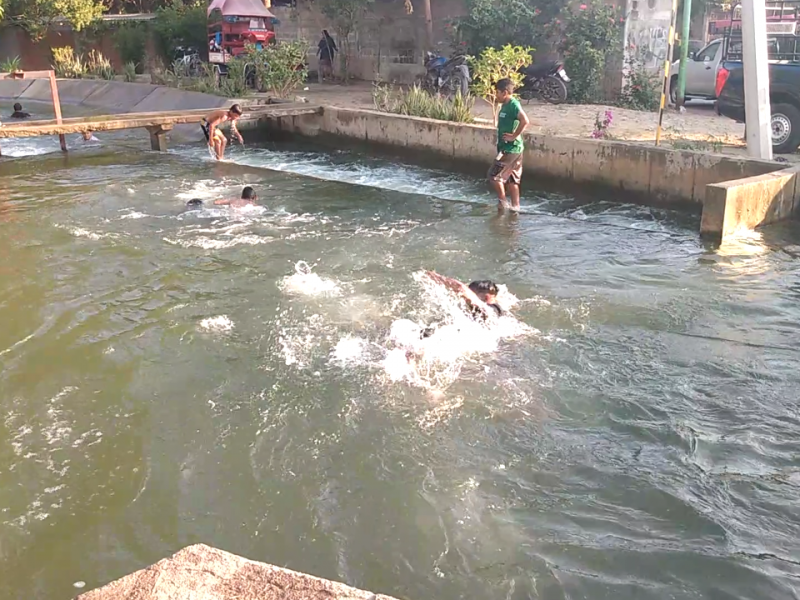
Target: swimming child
249 198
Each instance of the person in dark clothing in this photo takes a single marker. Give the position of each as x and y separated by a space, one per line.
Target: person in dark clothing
326 50
19 113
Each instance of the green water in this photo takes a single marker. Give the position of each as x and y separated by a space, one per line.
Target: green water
171 378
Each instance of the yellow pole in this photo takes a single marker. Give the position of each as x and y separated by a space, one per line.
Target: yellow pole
667 61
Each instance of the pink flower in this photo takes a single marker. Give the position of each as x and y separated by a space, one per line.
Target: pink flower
582 7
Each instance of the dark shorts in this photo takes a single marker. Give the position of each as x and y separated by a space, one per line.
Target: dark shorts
204 127
507 169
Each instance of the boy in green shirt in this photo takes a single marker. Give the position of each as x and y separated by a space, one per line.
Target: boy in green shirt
506 172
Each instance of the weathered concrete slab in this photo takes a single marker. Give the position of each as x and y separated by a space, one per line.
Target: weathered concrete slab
732 207
164 98
38 91
201 572
74 91
117 96
11 89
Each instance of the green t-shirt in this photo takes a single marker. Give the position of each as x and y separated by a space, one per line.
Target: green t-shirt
507 122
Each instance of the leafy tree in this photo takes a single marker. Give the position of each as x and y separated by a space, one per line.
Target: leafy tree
495 23
35 16
493 65
130 40
181 25
279 67
589 33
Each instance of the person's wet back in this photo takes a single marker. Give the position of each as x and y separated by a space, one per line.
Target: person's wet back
249 198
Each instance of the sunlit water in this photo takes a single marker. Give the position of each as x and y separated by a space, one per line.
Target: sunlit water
240 378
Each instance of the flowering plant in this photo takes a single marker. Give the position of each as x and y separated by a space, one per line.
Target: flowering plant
601 125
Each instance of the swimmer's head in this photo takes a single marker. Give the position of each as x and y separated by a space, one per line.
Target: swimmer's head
17 107
194 203
485 290
235 111
248 193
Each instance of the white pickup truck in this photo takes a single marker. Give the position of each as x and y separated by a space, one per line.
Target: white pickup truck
701 73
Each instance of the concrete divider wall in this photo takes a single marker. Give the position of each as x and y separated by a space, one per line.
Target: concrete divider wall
645 174
732 207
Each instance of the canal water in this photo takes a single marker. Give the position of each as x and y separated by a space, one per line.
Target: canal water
239 378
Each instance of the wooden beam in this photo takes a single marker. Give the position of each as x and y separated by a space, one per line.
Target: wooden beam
57 107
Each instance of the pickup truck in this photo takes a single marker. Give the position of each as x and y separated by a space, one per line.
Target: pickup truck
784 97
701 72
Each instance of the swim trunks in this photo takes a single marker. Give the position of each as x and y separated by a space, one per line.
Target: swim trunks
204 127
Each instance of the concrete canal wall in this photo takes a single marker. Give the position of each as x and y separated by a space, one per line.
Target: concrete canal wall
201 572
626 171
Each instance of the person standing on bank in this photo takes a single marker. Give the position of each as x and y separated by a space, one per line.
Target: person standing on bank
505 174
326 50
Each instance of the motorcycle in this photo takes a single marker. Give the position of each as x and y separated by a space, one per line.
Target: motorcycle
445 75
547 81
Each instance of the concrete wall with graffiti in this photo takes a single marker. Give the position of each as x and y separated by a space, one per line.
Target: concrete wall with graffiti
647 32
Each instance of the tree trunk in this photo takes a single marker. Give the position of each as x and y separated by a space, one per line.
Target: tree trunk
428 23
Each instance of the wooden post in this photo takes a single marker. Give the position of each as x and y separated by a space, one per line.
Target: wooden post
428 23
57 108
158 137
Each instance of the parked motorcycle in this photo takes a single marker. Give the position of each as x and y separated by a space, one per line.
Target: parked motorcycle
547 81
446 76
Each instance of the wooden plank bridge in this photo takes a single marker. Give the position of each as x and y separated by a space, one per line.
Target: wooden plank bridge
156 123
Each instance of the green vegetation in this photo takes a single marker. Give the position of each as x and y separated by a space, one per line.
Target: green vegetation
11 65
416 102
493 65
129 72
279 68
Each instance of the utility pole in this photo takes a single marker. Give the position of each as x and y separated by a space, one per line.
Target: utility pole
756 79
428 23
687 20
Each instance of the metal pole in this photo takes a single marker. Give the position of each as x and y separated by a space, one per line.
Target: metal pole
755 57
667 60
687 20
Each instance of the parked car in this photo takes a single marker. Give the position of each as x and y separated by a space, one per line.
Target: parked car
701 73
784 97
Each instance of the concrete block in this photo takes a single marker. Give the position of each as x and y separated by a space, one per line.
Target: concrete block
672 175
201 572
118 96
345 122
475 143
732 207
549 156
11 89
382 129
716 168
424 134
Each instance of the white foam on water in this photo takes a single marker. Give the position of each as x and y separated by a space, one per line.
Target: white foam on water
86 233
218 324
134 214
207 243
305 283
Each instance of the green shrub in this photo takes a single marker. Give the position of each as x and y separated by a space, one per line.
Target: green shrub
129 72
493 65
417 102
131 42
179 24
642 89
10 65
279 68
67 64
99 66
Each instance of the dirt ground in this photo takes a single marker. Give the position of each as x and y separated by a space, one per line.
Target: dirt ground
698 128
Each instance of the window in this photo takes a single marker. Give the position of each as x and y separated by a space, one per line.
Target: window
708 53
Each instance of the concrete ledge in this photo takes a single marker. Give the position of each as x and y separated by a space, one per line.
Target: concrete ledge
201 572
732 207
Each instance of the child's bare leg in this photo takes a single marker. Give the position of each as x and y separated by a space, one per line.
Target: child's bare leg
500 190
513 192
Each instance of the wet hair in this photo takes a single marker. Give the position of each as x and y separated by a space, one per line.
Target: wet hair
504 85
18 107
236 109
248 193
194 203
483 286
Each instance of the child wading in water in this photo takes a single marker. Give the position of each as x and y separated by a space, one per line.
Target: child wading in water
210 126
505 174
